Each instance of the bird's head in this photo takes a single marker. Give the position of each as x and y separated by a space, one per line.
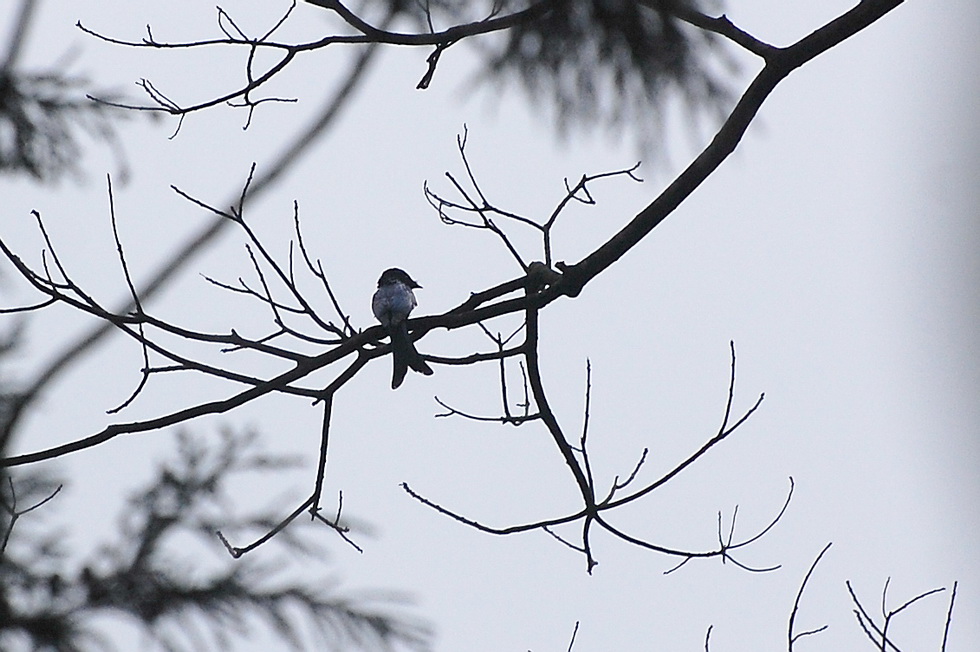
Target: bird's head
395 275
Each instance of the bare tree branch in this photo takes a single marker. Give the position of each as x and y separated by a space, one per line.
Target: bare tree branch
878 634
791 635
539 284
282 163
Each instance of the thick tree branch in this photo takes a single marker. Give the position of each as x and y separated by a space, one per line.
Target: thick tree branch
778 67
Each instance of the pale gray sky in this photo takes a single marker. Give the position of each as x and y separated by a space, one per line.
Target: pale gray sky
837 247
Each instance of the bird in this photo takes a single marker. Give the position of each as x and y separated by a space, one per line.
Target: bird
391 304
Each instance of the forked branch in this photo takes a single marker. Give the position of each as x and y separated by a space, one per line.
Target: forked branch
877 632
595 511
539 283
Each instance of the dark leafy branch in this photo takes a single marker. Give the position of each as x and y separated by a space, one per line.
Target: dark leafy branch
134 574
42 114
14 512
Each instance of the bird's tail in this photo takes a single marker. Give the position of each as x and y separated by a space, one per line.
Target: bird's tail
405 355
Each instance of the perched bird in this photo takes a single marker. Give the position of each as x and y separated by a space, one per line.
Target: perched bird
392 303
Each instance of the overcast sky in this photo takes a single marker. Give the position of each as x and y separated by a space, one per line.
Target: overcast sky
837 247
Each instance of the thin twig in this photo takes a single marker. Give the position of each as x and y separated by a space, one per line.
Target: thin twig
790 635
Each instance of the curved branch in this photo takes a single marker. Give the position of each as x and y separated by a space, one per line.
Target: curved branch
512 529
791 635
547 416
778 67
723 432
